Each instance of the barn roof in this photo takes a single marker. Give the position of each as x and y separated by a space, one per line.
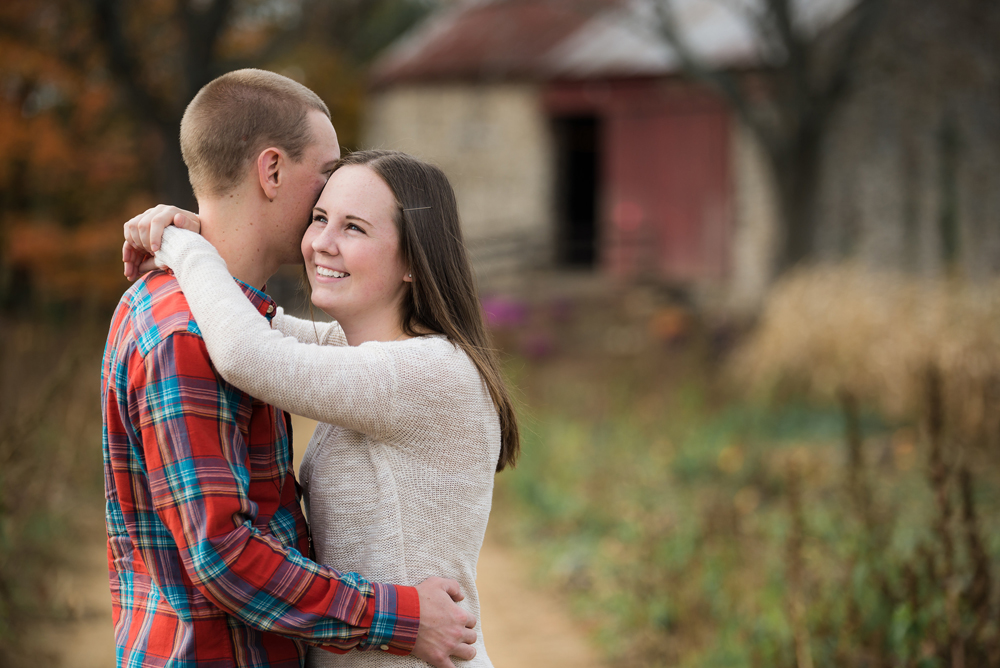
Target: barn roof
546 39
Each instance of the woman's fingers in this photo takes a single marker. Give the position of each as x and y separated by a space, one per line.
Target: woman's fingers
151 226
149 264
143 234
130 232
127 259
159 221
136 262
147 228
187 221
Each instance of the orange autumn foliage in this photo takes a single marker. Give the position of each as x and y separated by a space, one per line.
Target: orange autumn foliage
70 169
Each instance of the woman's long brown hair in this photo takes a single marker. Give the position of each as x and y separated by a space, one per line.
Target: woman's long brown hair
442 298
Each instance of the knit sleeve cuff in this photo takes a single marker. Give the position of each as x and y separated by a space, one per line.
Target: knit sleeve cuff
396 620
178 246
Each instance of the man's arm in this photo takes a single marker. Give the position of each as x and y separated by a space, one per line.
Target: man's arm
197 463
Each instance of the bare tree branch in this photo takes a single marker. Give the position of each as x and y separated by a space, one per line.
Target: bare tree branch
202 31
70 55
867 14
278 45
769 38
722 80
109 19
792 118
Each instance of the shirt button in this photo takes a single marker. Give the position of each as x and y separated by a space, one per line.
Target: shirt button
384 647
270 309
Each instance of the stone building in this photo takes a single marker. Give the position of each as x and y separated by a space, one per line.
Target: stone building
911 166
573 142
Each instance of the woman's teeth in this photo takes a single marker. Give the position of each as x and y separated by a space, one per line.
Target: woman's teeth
330 273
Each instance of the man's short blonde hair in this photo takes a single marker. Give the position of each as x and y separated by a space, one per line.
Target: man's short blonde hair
235 117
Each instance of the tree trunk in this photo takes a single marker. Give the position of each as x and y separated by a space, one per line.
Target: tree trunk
171 176
796 169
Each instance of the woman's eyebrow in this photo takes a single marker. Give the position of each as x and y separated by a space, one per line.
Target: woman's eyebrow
349 216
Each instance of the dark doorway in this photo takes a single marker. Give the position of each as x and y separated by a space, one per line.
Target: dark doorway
577 144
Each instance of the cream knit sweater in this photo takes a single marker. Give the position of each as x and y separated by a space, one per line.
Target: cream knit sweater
399 480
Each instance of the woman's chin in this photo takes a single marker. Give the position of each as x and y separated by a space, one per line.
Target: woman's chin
323 305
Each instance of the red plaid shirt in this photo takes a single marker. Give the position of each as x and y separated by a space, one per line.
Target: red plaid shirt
205 533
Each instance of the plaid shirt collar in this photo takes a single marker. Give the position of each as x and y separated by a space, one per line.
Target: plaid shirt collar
260 300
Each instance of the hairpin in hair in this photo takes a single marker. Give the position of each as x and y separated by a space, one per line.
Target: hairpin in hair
419 208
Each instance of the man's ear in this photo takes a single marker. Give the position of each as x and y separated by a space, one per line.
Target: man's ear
269 165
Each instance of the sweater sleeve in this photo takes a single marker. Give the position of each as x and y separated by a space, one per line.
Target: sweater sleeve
198 473
308 331
348 386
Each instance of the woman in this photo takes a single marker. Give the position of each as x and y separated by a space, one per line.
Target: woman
398 480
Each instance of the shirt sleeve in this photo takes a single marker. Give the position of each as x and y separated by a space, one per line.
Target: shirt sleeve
350 386
198 466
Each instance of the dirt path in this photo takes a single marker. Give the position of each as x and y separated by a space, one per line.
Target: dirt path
523 627
84 637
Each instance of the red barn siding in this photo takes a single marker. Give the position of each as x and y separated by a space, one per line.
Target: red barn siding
667 196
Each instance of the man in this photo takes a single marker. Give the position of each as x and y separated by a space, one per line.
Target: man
207 546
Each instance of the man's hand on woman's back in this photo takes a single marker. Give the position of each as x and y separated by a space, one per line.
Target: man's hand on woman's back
446 629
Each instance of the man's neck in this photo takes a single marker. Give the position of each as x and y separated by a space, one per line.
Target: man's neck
237 230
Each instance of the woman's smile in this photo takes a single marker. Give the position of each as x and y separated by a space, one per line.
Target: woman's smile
323 272
352 254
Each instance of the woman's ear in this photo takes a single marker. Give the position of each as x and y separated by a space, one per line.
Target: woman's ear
269 164
408 278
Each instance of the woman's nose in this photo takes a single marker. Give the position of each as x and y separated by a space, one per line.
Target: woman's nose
325 242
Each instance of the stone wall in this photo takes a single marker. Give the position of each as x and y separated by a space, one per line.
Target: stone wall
493 142
911 171
755 235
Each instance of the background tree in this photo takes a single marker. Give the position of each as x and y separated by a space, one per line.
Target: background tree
789 100
92 93
162 53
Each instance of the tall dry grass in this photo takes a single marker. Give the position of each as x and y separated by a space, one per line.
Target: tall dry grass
922 351
877 336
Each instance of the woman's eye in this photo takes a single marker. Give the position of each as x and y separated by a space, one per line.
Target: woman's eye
352 226
319 218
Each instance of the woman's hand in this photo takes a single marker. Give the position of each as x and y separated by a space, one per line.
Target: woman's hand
143 234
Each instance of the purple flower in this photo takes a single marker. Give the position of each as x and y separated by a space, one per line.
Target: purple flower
504 312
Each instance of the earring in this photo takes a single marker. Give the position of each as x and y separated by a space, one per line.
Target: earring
409 275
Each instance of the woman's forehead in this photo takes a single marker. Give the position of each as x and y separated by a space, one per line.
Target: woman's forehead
357 187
